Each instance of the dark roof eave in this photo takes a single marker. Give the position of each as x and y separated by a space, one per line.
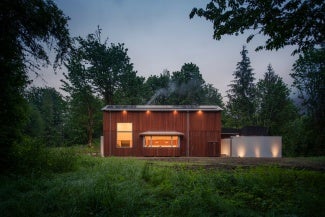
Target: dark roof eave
161 133
161 108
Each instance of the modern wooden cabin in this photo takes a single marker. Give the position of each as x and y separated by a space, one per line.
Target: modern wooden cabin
162 130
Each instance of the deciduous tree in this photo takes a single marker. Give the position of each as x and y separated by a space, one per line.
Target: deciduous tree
26 26
283 22
184 87
309 79
159 88
212 96
188 85
131 90
51 107
84 115
106 66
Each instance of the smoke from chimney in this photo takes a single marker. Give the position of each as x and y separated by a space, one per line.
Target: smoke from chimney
181 89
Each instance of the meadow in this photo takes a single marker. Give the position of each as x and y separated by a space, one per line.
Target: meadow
67 182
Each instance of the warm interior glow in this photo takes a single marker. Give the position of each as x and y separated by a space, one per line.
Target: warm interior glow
199 112
124 127
161 141
148 111
124 135
174 112
124 112
275 149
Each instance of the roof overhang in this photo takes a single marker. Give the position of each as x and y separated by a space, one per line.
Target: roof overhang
161 108
161 133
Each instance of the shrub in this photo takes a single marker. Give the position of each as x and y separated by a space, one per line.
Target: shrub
32 157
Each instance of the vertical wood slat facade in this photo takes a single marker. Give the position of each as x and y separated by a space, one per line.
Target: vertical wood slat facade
201 131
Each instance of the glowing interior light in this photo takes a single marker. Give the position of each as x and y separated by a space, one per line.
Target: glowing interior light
174 112
199 112
124 111
148 111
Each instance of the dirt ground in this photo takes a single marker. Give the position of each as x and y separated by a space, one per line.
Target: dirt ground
316 164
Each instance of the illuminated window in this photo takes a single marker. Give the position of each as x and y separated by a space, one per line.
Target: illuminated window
161 141
124 135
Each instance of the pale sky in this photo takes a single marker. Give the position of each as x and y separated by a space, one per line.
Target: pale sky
159 35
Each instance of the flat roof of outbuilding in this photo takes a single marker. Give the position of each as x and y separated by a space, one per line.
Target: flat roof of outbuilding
161 108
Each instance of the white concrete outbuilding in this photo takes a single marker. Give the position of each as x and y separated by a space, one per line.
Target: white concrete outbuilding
252 146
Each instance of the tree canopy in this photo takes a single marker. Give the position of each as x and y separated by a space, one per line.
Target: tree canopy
274 107
283 22
26 28
309 79
48 111
84 113
108 68
241 95
184 87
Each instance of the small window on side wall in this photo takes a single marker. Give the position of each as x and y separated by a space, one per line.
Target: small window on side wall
124 135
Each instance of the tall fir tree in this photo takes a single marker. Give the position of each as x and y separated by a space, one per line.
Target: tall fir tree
241 95
275 108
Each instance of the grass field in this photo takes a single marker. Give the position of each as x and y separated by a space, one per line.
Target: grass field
93 186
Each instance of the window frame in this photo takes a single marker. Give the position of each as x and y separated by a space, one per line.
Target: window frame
150 139
124 131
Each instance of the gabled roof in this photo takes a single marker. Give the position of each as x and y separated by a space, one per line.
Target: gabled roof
161 108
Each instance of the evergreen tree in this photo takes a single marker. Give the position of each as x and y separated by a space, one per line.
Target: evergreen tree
275 109
241 105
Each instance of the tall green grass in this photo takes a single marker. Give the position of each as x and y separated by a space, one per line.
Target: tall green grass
132 187
33 158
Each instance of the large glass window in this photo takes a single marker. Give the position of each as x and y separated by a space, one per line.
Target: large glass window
161 141
124 135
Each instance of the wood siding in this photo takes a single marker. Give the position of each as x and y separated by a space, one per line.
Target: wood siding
201 132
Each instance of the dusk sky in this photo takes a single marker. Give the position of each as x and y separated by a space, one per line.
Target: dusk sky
159 35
